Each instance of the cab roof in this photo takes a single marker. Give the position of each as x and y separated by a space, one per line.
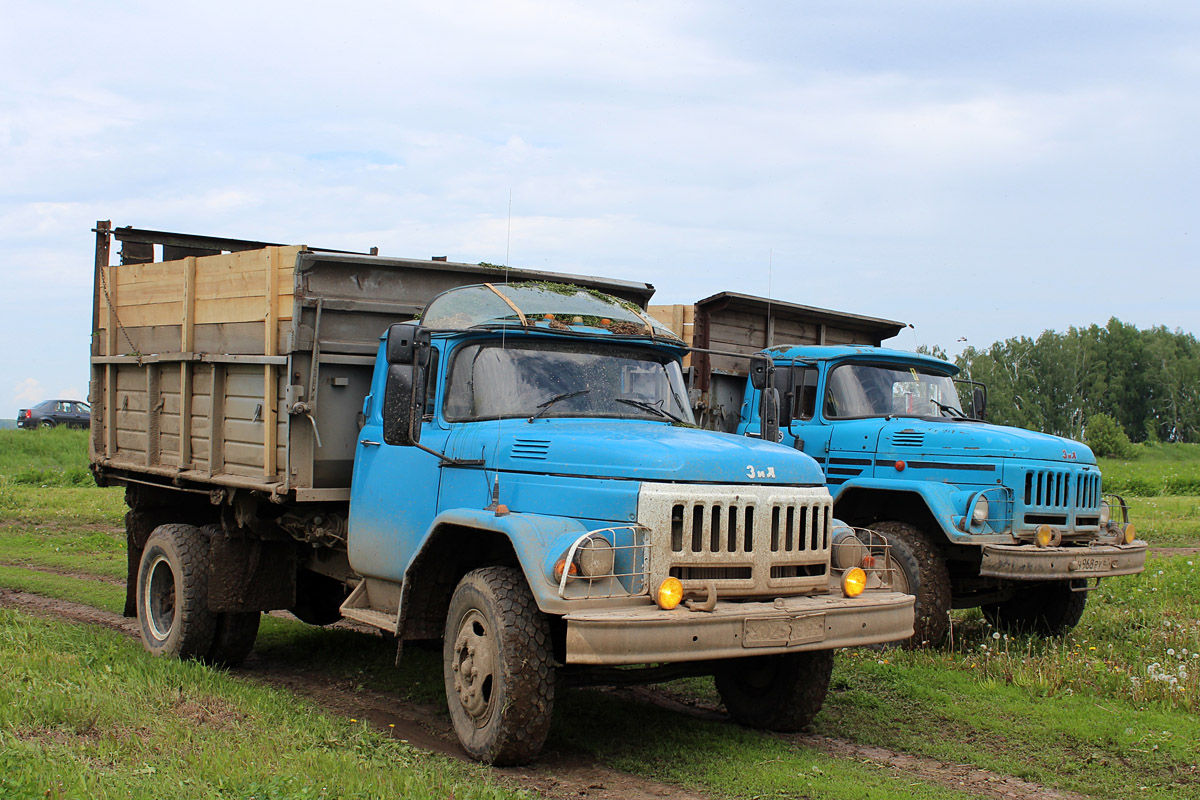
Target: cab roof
809 352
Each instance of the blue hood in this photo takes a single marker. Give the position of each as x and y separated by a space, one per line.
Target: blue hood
976 439
650 451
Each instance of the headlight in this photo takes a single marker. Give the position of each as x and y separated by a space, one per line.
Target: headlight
1105 513
1047 536
979 513
1130 534
595 558
848 549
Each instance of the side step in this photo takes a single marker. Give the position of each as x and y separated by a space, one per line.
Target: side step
369 604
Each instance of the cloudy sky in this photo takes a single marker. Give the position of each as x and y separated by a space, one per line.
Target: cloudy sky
978 169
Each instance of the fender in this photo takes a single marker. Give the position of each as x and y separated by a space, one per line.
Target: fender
460 540
946 504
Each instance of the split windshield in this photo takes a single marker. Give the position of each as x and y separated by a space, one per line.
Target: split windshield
491 380
871 390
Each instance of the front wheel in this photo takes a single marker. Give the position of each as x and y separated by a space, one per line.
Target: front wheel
779 693
172 593
498 667
919 570
1044 609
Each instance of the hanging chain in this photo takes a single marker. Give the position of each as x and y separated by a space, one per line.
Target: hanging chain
104 286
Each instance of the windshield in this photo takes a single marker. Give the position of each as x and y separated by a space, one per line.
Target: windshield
871 390
488 380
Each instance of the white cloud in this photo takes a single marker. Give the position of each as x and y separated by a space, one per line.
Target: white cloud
28 392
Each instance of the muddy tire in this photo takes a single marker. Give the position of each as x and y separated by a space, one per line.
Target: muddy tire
921 572
778 693
172 593
498 667
234 638
1044 609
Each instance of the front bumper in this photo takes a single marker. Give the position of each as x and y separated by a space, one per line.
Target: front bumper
1027 562
647 634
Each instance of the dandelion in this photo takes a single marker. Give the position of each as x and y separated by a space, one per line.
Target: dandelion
996 635
352 719
1091 648
1170 651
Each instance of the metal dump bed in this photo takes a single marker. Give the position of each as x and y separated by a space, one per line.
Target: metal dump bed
234 349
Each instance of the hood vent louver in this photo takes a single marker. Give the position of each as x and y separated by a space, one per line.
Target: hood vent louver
909 438
535 449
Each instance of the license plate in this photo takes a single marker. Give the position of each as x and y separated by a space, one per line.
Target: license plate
1093 564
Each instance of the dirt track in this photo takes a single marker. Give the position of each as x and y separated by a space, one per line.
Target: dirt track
553 775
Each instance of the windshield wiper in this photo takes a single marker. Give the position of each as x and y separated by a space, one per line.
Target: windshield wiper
650 407
544 407
950 411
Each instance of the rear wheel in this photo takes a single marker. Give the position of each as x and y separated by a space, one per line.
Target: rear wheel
919 570
779 693
172 593
498 667
46 423
1045 609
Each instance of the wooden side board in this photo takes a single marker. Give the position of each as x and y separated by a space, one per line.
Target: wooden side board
247 286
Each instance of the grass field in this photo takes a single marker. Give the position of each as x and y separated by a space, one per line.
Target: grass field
1109 711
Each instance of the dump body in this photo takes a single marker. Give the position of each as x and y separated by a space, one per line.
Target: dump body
202 365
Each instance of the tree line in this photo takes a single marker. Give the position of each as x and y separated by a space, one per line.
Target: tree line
1147 381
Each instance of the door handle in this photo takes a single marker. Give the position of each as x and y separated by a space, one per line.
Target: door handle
368 442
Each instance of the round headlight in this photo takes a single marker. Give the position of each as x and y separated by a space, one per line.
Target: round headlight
979 513
670 594
854 581
848 549
1130 534
595 557
1105 512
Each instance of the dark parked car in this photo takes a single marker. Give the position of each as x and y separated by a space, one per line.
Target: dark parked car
51 413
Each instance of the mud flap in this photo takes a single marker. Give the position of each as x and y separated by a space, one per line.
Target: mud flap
251 575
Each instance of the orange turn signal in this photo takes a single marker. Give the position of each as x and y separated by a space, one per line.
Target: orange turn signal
854 582
670 594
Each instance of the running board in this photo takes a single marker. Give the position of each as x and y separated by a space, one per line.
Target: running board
360 608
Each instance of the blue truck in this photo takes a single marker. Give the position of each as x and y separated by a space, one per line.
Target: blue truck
978 515
1009 520
491 458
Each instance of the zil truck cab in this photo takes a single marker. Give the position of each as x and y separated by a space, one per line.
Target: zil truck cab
1010 520
529 485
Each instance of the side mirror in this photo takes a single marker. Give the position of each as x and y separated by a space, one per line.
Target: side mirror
761 367
979 402
405 341
785 384
404 392
769 415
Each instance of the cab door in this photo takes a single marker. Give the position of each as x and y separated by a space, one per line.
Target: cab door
394 489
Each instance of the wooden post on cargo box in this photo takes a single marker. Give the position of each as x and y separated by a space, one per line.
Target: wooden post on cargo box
187 343
270 345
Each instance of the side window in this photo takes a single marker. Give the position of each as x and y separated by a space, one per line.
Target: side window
62 407
804 396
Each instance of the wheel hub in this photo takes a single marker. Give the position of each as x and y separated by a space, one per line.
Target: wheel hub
160 598
474 666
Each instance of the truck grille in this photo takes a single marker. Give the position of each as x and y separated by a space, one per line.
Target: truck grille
1058 497
748 540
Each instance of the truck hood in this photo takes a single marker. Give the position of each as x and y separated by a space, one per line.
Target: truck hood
633 450
977 439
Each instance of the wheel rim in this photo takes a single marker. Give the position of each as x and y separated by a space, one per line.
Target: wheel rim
474 664
159 600
900 581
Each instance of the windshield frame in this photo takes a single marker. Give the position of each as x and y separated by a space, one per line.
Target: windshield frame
541 398
916 369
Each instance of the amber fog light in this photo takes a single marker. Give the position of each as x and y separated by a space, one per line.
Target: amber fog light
854 582
1044 536
670 594
1129 535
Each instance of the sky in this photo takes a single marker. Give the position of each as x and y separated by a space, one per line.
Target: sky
980 170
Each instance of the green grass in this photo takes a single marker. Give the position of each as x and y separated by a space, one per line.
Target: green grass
85 713
1154 470
1166 521
51 457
